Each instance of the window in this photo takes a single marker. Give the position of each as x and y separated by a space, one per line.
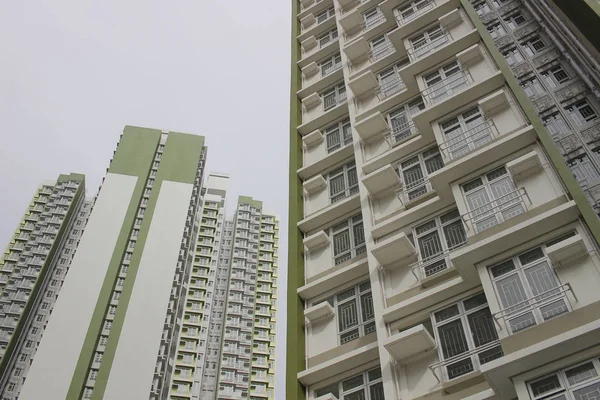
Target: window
427 41
436 238
528 289
533 45
389 81
328 37
496 30
400 120
355 313
338 135
513 56
581 112
334 96
584 171
491 199
515 20
482 8
325 15
555 76
466 132
466 337
412 10
556 126
380 47
414 173
331 64
444 82
343 182
533 88
348 239
372 17
579 382
366 386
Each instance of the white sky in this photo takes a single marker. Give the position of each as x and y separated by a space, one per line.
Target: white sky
74 73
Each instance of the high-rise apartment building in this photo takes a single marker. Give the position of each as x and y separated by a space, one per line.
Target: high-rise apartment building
114 328
443 234
226 349
32 271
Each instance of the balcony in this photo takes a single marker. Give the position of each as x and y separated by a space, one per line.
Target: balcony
329 278
319 110
320 209
381 98
426 13
355 24
315 23
319 78
320 258
361 56
407 344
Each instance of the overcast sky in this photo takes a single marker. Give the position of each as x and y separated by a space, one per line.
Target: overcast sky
74 73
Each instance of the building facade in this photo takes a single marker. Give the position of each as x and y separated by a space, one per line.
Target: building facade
443 237
33 269
115 327
226 350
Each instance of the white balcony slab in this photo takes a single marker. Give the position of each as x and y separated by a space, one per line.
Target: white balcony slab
315 184
313 138
371 126
469 55
351 20
316 240
330 281
310 69
311 101
337 365
308 21
326 162
357 48
409 343
493 103
319 312
381 179
327 396
363 83
567 250
330 213
451 18
309 43
394 249
525 165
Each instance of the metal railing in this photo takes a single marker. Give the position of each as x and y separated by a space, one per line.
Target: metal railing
416 53
420 11
447 87
389 88
432 265
414 190
490 351
330 102
380 52
400 133
497 211
535 303
469 140
365 25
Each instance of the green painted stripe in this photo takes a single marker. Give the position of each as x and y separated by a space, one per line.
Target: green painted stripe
250 201
295 351
38 285
134 157
556 158
179 163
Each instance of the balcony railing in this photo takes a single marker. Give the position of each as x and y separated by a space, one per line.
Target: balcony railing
496 211
413 190
464 142
467 362
349 254
331 69
400 133
447 87
546 305
331 101
380 52
365 25
421 51
422 8
389 88
433 265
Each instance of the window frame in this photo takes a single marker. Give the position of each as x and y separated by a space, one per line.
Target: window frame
566 388
348 173
357 244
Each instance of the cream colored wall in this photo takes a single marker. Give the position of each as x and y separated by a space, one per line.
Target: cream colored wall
316 200
317 261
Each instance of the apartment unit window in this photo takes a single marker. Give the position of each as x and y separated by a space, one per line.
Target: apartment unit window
466 132
528 289
414 173
533 87
372 17
413 9
444 82
513 56
555 76
400 120
496 30
482 8
515 20
556 125
583 170
343 182
325 15
436 238
428 40
328 37
582 112
389 81
365 386
334 96
579 382
348 239
380 47
492 198
332 64
338 135
466 336
533 45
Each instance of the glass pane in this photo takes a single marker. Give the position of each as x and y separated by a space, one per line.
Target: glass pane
359 234
545 385
482 327
360 395
541 278
553 309
446 313
475 301
459 368
510 291
490 355
452 339
341 242
374 374
581 373
376 391
352 383
336 185
591 392
434 163
366 304
430 245
455 234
